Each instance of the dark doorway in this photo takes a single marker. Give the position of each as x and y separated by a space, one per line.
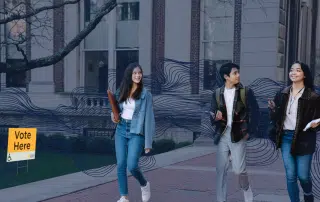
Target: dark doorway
16 79
103 77
124 58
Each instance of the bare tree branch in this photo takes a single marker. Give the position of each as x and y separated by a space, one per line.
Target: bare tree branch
33 12
22 52
56 57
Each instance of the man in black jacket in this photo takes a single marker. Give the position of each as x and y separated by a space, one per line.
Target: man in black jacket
235 113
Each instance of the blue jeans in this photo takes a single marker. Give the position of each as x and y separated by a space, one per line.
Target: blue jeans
296 167
129 147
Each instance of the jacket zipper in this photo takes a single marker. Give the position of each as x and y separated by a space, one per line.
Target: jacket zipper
297 126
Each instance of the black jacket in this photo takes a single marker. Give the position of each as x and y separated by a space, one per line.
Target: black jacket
245 117
304 142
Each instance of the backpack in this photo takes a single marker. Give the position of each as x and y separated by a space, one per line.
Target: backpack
243 94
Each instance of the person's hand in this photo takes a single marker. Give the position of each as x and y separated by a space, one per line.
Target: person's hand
147 150
246 137
314 125
112 118
218 116
271 104
213 115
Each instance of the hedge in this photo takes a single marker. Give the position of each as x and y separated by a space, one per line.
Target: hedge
81 144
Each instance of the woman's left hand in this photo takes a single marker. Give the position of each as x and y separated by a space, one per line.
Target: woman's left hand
314 125
147 150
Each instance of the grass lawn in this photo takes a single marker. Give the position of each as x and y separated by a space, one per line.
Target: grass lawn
48 165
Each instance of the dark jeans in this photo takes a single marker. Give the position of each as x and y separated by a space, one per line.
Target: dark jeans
296 167
129 147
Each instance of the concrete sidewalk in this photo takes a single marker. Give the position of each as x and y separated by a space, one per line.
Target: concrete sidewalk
186 174
190 181
42 190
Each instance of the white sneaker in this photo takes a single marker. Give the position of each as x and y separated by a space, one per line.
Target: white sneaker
122 199
145 191
248 195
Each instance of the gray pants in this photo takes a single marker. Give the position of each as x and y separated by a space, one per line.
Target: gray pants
238 155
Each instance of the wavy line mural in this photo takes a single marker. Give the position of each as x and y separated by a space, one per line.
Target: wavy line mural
87 119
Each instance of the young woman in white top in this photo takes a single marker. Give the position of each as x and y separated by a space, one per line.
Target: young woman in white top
134 131
291 110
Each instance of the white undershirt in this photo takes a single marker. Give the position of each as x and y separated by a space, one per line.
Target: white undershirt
229 98
291 113
128 109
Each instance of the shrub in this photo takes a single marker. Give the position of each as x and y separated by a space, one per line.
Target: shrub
162 146
58 142
78 144
3 142
42 141
100 145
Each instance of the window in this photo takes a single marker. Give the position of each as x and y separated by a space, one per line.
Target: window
98 38
16 33
211 69
217 40
124 58
96 70
128 11
91 8
16 80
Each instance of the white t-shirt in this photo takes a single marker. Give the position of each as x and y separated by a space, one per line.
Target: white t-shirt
128 109
291 113
229 98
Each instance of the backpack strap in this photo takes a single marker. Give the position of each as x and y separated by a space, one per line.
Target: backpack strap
218 97
243 96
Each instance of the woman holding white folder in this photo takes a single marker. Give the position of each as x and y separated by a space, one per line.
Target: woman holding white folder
291 111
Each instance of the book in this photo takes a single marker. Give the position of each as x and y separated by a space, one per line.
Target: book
309 124
114 106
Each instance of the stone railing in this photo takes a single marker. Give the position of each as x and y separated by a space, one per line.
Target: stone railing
92 101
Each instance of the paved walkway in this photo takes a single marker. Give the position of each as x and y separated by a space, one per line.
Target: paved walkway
190 181
186 175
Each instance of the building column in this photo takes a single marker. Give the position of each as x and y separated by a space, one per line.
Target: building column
195 46
314 38
58 44
145 36
158 41
237 31
42 78
112 36
72 62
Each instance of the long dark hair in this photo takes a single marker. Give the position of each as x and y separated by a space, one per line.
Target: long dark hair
308 80
127 83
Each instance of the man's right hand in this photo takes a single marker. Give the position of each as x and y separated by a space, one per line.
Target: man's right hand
271 105
218 116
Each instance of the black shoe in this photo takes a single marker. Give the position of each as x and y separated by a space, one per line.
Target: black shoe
308 198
